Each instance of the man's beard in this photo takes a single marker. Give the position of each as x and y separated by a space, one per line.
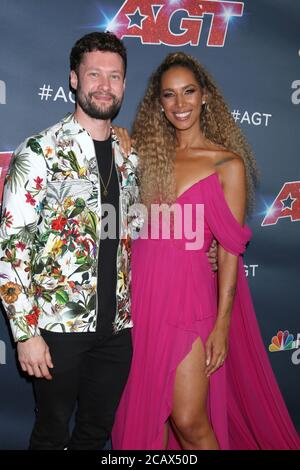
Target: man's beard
94 111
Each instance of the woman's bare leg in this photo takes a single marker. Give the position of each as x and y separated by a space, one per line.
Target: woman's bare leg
189 417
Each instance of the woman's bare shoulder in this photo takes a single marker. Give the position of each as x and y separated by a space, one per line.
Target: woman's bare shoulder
230 167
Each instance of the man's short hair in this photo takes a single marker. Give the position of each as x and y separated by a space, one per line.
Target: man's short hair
97 41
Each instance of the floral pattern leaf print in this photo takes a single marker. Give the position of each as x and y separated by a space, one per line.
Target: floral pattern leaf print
18 171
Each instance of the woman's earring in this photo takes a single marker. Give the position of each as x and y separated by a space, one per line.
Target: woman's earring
205 106
162 109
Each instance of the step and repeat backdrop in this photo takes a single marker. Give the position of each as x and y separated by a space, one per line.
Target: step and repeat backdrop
252 48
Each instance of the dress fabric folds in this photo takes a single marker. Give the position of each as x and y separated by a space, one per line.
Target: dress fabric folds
174 302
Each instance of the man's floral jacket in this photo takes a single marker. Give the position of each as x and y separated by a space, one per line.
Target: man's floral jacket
50 233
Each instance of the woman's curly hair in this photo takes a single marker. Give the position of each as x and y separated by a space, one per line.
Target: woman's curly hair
155 140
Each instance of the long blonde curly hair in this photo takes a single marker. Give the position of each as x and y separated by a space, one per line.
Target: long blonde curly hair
155 140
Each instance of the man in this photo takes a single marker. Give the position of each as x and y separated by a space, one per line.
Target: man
66 294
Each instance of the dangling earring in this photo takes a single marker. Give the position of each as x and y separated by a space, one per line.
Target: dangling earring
162 109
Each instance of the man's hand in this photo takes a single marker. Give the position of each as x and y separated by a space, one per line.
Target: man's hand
212 255
124 139
34 357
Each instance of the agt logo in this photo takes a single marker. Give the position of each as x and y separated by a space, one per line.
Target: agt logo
2 92
4 164
174 22
286 204
284 341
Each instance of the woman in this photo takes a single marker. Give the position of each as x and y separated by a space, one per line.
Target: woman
194 382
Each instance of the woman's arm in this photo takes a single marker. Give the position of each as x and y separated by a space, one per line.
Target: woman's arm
233 179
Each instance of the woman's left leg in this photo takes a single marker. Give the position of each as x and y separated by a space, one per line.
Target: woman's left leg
189 416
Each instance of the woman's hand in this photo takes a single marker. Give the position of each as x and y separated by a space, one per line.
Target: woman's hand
216 348
124 139
212 256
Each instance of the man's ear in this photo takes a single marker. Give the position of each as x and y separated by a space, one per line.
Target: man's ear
73 79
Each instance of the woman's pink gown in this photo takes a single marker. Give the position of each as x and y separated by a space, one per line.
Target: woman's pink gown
174 301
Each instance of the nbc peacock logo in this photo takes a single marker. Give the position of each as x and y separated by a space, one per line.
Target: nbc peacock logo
283 341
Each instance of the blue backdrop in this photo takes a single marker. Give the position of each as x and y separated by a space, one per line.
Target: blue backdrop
252 49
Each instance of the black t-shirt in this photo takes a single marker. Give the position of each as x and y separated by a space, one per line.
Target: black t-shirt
107 253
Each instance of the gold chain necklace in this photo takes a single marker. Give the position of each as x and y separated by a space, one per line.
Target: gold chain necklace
105 186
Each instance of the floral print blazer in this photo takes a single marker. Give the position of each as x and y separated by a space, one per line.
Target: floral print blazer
50 233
